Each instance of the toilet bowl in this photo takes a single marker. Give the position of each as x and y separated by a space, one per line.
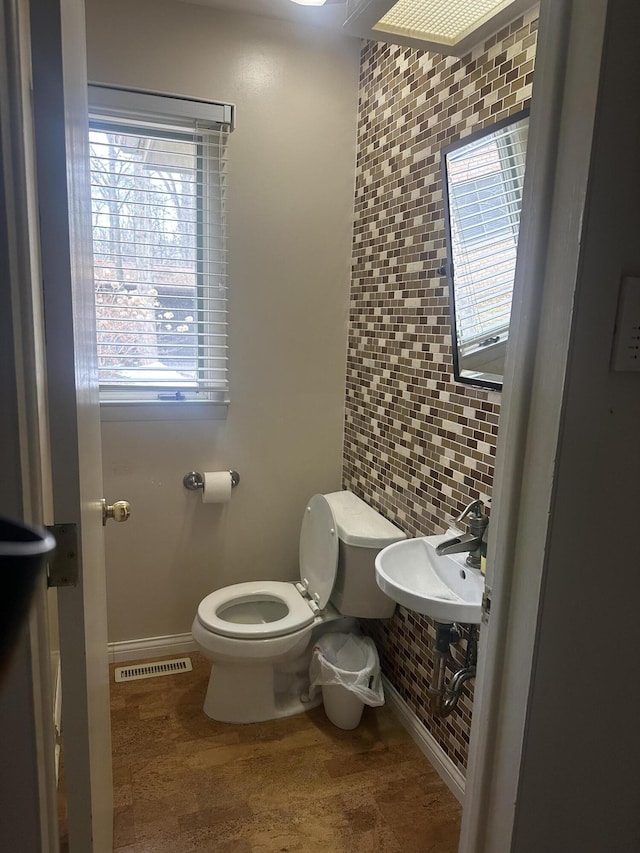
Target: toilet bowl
259 635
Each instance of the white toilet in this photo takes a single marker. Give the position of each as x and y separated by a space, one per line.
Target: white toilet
259 635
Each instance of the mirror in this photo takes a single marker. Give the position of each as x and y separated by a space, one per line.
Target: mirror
482 177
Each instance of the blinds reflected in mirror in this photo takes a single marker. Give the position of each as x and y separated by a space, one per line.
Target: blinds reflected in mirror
484 177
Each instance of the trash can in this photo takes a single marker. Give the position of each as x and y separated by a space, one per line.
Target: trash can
347 668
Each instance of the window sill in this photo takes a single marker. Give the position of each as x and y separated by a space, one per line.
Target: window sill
161 410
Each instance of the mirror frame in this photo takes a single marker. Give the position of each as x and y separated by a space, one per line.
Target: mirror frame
447 268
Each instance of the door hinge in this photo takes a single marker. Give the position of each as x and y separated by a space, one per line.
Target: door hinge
486 605
63 568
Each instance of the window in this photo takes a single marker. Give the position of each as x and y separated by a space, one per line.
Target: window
158 182
484 189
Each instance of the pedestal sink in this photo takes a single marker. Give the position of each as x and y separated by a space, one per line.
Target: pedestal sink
444 588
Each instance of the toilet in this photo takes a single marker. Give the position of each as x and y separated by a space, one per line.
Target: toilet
259 635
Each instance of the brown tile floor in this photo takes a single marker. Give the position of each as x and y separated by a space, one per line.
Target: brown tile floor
184 783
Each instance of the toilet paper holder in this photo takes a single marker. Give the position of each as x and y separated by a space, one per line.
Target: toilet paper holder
194 480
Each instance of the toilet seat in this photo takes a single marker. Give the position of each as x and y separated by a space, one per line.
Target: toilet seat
243 601
260 609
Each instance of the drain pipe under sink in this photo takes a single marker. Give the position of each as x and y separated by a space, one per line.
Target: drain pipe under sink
444 697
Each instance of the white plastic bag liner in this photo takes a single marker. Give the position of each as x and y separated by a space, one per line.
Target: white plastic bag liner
348 661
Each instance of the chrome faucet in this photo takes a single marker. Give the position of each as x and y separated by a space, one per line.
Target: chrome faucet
471 541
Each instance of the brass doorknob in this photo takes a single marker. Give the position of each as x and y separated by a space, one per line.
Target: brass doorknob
118 511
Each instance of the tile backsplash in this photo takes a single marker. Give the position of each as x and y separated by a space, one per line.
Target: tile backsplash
419 446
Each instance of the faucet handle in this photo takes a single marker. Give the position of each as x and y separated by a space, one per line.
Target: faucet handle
474 507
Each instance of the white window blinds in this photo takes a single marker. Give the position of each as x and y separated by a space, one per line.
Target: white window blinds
158 187
484 183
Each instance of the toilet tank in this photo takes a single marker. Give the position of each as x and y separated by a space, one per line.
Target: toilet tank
362 533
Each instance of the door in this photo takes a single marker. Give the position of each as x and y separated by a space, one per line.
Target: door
60 86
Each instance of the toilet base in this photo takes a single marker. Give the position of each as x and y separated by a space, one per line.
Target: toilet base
254 693
253 681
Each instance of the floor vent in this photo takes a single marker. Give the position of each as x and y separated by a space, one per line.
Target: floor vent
153 670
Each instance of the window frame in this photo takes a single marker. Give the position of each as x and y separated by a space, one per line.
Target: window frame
159 115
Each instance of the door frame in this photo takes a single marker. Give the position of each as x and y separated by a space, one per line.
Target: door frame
562 123
28 818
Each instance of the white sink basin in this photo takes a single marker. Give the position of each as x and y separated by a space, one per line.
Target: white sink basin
444 588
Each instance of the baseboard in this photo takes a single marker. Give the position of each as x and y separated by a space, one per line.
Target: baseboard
426 742
151 647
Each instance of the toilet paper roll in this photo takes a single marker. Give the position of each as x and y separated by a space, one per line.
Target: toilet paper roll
217 487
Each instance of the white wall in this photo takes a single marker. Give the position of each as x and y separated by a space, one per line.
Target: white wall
290 213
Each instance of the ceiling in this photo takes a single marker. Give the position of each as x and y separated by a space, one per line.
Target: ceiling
331 16
365 15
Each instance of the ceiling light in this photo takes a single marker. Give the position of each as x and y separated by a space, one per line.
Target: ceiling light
309 2
439 20
446 26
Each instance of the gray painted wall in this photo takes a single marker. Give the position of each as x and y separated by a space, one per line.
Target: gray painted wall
290 219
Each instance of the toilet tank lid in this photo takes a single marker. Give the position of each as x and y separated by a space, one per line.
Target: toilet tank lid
359 524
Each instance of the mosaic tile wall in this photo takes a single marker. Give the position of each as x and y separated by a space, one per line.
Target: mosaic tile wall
418 446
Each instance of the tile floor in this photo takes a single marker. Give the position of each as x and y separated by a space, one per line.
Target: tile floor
185 784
